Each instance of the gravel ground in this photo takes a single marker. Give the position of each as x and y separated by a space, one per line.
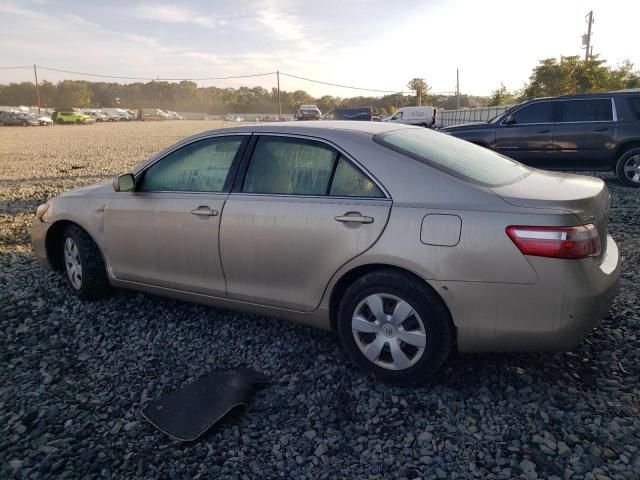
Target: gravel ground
75 375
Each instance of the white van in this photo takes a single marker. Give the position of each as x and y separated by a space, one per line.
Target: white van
421 116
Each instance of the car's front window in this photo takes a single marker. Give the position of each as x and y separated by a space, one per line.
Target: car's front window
540 112
200 166
457 157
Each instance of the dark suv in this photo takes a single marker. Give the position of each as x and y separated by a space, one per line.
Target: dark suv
574 132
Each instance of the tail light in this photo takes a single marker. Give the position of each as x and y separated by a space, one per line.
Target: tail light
556 242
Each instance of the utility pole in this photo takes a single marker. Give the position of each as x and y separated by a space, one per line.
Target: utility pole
279 103
457 89
35 73
586 39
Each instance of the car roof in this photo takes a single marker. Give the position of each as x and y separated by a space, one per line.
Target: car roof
585 95
315 128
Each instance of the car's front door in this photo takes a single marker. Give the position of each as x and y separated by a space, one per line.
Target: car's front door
300 212
582 136
526 134
165 233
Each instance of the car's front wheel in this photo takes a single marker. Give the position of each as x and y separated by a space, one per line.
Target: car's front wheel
395 327
84 268
628 168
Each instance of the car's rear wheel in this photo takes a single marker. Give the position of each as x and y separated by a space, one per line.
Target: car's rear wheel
628 168
395 327
24 124
84 269
78 122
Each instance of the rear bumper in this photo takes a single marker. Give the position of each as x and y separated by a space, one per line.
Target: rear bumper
555 314
38 241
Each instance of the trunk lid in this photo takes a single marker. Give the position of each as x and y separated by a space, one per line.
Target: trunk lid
586 197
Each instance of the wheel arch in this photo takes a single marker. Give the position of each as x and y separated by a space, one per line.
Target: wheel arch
355 273
625 147
53 243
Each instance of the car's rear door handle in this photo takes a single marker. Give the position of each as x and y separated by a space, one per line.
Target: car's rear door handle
544 131
204 211
354 217
603 129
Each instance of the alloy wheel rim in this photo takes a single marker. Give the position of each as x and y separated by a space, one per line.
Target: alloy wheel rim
632 168
73 263
388 331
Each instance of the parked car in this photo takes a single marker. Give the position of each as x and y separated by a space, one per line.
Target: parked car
120 113
153 114
361 114
44 120
575 132
479 252
308 112
419 116
69 116
17 118
96 115
174 115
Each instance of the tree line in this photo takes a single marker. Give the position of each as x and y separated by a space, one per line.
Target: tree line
551 77
570 75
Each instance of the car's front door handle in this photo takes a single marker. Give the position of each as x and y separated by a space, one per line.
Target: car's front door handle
204 211
603 129
354 217
544 131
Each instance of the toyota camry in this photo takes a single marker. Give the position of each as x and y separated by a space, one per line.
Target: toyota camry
407 242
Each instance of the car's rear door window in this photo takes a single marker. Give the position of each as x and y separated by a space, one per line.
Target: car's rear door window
457 157
540 112
289 166
591 110
201 166
350 181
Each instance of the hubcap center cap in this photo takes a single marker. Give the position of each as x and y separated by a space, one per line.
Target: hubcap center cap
388 330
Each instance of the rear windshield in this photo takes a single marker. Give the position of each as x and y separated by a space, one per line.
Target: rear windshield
457 157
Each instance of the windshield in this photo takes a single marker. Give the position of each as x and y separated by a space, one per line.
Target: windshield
454 156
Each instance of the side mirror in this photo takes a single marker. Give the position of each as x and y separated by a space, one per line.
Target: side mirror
509 120
124 183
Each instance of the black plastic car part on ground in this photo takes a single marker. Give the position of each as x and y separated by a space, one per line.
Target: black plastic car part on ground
575 132
190 411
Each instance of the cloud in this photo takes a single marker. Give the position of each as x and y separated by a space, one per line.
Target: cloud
175 14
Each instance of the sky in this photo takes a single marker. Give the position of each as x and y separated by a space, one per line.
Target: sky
377 44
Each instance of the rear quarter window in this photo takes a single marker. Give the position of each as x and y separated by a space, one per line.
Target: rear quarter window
634 103
456 157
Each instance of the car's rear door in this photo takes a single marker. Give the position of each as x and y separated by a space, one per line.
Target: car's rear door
528 138
583 133
300 209
165 233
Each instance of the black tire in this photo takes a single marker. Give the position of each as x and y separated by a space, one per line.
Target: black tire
78 122
94 283
627 160
432 312
24 124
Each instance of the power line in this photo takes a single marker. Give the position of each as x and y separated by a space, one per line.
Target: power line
232 77
341 86
121 77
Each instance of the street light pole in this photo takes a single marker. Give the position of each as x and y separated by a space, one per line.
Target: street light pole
35 73
279 103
